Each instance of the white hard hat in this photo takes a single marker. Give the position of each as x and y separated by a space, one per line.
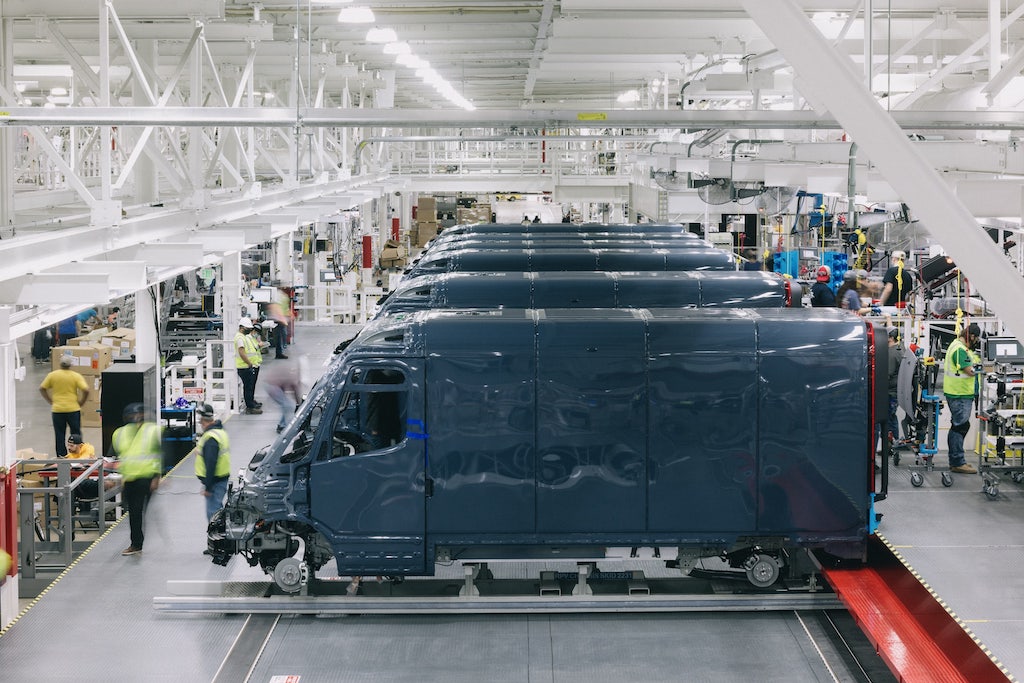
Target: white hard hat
246 323
899 255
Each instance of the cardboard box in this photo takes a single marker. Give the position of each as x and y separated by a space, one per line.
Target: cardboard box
426 204
87 360
94 337
122 340
425 232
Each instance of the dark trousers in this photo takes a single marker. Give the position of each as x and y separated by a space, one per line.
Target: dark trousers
61 422
248 377
280 332
135 496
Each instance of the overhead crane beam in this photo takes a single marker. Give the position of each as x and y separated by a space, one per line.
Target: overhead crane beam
286 117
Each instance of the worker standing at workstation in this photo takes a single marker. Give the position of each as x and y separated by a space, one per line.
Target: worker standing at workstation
959 385
245 364
213 459
138 449
822 295
897 282
66 392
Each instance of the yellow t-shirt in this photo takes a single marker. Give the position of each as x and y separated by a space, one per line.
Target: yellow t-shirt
63 386
85 451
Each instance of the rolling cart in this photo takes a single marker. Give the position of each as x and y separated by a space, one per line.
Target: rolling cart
1001 450
922 424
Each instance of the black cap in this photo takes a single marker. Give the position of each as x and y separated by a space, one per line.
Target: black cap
894 333
205 410
75 438
974 330
131 410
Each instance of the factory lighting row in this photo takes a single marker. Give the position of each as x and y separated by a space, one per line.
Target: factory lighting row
404 56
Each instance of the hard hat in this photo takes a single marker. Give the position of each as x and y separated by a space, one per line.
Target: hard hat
246 323
131 410
205 411
824 274
898 255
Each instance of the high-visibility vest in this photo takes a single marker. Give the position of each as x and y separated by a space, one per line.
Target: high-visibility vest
252 350
223 468
139 451
256 356
953 383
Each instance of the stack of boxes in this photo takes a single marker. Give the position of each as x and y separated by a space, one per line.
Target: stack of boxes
481 213
393 255
426 220
90 355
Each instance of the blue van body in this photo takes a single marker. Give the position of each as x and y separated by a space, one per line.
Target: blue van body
538 433
620 228
538 260
644 289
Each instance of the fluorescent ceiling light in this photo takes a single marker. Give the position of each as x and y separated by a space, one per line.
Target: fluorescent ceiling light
59 91
397 48
356 15
628 97
381 35
412 61
49 105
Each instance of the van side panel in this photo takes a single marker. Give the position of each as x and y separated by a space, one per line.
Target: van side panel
481 423
703 426
812 420
488 292
743 290
659 290
591 419
578 290
700 259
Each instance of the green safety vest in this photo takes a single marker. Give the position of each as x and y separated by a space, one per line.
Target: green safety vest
139 451
223 459
953 383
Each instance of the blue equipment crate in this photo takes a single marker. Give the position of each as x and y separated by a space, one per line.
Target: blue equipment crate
787 263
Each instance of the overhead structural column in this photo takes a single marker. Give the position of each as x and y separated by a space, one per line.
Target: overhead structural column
841 89
8 429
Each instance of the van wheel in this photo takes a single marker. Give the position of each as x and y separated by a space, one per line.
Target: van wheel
290 574
762 570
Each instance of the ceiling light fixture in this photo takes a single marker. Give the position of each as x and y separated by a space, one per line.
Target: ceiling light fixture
59 91
356 15
397 48
381 35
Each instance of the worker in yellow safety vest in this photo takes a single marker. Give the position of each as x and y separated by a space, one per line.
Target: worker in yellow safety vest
959 380
247 359
213 459
138 449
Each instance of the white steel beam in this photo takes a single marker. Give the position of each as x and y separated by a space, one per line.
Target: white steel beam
168 254
219 240
55 288
123 276
949 221
957 61
285 117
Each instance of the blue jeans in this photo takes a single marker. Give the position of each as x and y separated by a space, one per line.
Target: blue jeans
215 501
284 401
959 414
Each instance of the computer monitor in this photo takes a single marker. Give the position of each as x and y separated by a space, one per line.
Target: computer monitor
1004 350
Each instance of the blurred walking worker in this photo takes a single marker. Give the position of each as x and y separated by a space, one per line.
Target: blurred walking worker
137 447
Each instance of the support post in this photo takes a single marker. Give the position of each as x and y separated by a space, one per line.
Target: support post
8 422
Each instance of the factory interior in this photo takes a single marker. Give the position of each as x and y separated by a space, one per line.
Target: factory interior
532 340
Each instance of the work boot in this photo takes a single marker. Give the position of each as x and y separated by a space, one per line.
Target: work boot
253 411
964 469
